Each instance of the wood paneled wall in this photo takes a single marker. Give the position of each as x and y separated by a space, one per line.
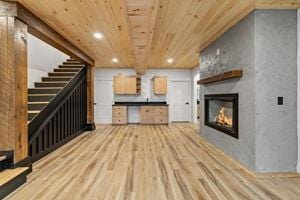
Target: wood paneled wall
13 83
90 94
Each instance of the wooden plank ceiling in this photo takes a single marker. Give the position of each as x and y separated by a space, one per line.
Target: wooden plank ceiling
145 33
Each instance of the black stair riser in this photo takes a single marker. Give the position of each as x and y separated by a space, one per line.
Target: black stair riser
35 106
70 74
52 84
39 98
50 79
31 116
66 70
71 66
8 161
44 91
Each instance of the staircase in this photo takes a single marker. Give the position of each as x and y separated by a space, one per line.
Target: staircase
10 178
56 114
40 96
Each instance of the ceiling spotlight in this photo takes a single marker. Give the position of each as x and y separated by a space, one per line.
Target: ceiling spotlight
115 60
98 35
170 60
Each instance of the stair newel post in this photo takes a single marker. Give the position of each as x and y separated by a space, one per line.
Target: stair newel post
13 82
90 98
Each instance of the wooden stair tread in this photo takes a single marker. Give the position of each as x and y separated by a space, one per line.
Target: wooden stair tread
73 63
42 88
63 72
42 102
9 174
57 76
41 94
33 111
2 158
53 82
69 67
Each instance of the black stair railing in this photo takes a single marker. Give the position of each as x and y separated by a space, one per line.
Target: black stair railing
64 118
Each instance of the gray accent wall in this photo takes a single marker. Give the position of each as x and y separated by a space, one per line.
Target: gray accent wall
276 76
238 44
298 104
263 44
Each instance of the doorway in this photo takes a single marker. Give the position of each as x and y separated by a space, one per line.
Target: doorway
180 102
104 101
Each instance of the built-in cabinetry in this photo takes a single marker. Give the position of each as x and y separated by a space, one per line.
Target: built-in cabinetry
149 113
119 115
160 85
154 114
127 84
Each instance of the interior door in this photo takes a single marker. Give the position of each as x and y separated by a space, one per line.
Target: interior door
180 101
104 101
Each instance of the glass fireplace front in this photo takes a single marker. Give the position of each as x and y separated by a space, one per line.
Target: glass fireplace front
221 113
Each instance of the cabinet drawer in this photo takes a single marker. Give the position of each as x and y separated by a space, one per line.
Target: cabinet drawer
120 108
119 113
162 115
161 111
164 108
119 120
161 120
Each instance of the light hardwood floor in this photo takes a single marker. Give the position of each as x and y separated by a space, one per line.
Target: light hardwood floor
146 162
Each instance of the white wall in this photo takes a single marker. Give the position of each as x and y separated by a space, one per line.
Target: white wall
147 91
298 105
42 58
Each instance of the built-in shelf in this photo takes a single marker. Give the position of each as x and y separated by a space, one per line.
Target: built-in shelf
221 77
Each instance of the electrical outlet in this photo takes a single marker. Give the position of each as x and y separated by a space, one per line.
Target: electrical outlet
280 100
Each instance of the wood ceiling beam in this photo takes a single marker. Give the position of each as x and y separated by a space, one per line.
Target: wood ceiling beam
142 17
44 32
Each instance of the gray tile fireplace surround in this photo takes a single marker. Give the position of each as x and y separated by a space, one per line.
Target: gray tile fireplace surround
264 45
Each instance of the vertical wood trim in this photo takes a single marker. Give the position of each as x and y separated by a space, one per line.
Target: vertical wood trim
90 94
13 86
20 90
6 78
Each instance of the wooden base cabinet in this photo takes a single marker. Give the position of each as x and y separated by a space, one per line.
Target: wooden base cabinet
147 115
119 115
154 114
161 114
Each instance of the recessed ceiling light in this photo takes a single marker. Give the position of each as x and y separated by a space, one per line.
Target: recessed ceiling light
170 60
98 35
115 60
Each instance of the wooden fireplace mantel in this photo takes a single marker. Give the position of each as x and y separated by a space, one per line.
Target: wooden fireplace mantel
221 77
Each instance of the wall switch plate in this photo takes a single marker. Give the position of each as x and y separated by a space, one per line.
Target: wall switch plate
280 100
218 52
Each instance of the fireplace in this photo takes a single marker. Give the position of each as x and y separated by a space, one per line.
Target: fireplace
221 113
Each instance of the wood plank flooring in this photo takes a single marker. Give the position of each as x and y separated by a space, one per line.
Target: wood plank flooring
146 162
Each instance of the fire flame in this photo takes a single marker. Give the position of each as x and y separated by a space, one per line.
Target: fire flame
222 119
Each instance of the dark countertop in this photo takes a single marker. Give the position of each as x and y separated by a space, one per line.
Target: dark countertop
141 103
